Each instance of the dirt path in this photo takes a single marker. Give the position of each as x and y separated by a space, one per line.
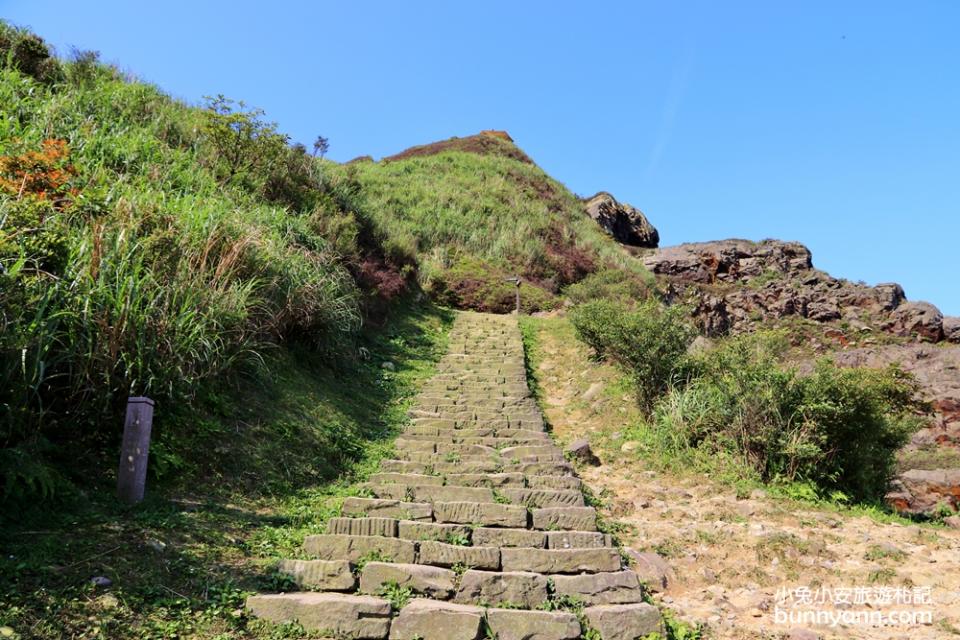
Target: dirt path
734 557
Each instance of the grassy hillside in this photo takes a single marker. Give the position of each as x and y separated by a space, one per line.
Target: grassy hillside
148 247
476 210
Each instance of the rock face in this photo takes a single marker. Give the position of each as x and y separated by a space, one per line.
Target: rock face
625 223
736 285
923 491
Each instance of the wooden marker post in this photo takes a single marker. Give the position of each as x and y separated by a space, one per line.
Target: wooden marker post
516 280
132 475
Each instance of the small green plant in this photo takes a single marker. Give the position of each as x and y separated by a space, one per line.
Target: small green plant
458 539
397 596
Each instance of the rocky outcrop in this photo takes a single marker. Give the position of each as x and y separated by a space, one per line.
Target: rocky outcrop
626 224
736 285
924 491
934 451
920 319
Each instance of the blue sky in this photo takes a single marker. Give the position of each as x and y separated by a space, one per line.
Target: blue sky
833 123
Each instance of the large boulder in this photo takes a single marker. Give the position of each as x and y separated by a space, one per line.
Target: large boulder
729 260
920 319
625 223
951 329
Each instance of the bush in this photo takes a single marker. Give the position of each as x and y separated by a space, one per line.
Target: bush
472 284
611 284
649 340
836 428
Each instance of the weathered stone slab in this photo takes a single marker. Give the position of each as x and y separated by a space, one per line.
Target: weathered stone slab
483 466
619 587
542 498
363 526
346 616
487 514
521 451
352 548
493 588
326 575
424 580
452 494
433 620
387 509
495 537
403 466
554 482
624 621
513 624
405 478
494 480
419 446
561 560
411 530
573 518
542 468
448 555
577 540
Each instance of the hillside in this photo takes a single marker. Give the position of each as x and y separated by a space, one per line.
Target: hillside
473 211
283 310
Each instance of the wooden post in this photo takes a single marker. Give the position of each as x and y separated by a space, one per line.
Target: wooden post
132 475
516 280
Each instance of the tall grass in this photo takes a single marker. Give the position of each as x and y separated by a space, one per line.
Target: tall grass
129 265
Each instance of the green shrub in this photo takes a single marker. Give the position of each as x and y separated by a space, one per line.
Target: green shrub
472 284
836 428
650 341
611 284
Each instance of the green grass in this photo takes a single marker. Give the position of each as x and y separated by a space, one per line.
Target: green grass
506 216
222 524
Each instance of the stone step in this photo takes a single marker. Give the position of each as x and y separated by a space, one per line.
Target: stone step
424 619
405 478
570 483
624 621
493 588
386 527
515 624
578 539
410 530
501 537
348 616
442 554
432 493
491 480
421 579
326 546
561 560
489 515
543 497
569 518
387 509
618 587
319 575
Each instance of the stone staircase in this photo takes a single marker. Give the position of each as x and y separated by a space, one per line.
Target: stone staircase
480 518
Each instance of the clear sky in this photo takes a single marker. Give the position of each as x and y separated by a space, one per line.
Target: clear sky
833 123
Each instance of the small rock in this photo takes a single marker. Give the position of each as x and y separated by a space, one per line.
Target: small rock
157 545
627 447
953 522
389 366
593 391
651 568
101 581
108 601
709 574
802 634
580 450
